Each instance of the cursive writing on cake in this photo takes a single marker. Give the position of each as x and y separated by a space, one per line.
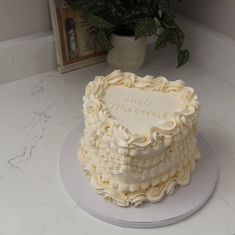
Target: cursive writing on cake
135 110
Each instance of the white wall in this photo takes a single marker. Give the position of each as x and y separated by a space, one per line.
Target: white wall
217 14
22 17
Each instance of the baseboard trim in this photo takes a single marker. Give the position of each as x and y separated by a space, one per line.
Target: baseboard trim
27 56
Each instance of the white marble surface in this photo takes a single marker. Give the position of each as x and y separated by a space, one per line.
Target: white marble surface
37 114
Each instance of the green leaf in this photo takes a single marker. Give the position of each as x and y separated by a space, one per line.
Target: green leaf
145 27
175 37
161 41
168 22
163 7
182 57
99 22
180 37
103 40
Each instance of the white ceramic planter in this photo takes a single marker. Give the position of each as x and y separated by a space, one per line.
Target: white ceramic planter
127 53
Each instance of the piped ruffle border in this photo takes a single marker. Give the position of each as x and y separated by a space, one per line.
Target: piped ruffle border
99 121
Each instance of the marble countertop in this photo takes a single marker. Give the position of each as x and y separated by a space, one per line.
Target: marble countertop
38 113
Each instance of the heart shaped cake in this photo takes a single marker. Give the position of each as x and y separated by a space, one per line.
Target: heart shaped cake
139 140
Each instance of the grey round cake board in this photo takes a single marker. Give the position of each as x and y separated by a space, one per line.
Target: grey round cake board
185 201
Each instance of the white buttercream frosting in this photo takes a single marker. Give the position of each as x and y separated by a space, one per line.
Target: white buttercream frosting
140 136
132 106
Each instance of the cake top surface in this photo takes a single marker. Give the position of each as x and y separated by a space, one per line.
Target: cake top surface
139 110
131 112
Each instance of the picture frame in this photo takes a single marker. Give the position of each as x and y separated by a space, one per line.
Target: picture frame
75 42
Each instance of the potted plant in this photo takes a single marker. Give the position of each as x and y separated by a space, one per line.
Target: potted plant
121 27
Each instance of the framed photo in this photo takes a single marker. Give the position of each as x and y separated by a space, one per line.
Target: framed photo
75 42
